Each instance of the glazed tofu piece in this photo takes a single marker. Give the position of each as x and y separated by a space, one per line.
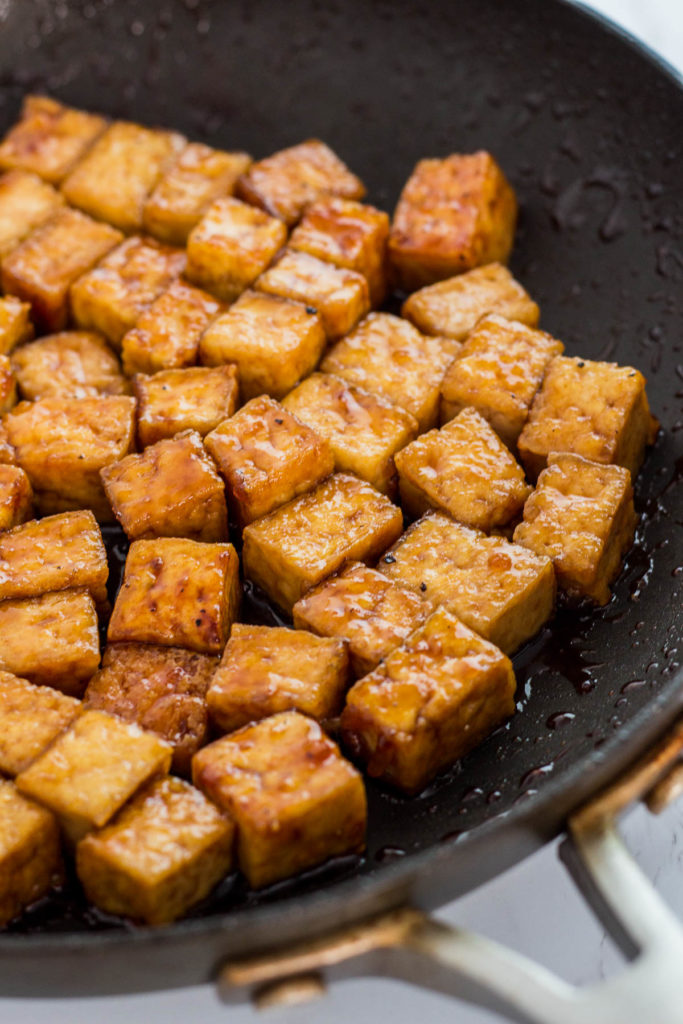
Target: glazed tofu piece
172 489
8 456
31 717
16 499
363 607
453 214
52 640
285 183
199 175
431 701
49 138
25 203
177 593
231 245
162 689
63 443
70 364
363 430
15 323
267 457
112 182
341 297
30 853
8 386
389 357
295 800
502 591
92 769
581 516
273 342
41 270
164 852
344 519
197 398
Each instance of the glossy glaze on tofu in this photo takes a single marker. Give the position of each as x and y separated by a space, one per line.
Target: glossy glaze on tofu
15 323
197 398
31 718
16 498
30 854
25 203
8 385
49 138
70 364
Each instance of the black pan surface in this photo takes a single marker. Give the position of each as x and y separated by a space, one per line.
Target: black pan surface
589 129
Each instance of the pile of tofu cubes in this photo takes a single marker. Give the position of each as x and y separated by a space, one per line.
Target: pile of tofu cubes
408 490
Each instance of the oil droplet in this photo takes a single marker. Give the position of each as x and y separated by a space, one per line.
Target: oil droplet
559 719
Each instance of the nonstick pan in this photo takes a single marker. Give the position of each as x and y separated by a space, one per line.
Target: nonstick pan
589 129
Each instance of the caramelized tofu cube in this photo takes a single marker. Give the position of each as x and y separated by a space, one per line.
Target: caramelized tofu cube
113 180
363 607
453 214
70 364
342 520
16 499
31 717
581 516
163 852
8 386
15 325
197 398
25 203
434 698
267 457
92 769
363 430
30 855
162 689
8 456
41 270
272 341
296 801
502 591
178 593
49 138
232 244
51 640
388 356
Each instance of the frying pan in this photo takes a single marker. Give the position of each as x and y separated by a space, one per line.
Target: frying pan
588 128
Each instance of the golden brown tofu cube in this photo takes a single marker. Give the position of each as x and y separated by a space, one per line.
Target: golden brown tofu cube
178 593
388 356
500 590
199 175
63 443
267 457
196 398
296 801
25 203
41 270
344 519
581 516
16 500
92 769
166 335
453 214
163 852
51 640
30 855
70 364
31 717
363 607
347 234
8 456
434 698
15 325
232 244
340 296
49 138
163 689
267 669
273 342
363 430
8 386
113 180
172 489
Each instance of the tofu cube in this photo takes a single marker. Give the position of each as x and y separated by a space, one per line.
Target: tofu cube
363 607
267 457
15 323
295 800
231 245
112 182
16 499
197 398
273 342
171 490
340 296
177 593
199 175
389 357
49 138
8 456
581 516
70 364
363 430
453 214
25 203
31 717
8 386
502 591
164 852
52 640
342 520
434 698
92 769
30 854
43 267
162 689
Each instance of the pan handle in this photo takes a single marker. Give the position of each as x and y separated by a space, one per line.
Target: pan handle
412 946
